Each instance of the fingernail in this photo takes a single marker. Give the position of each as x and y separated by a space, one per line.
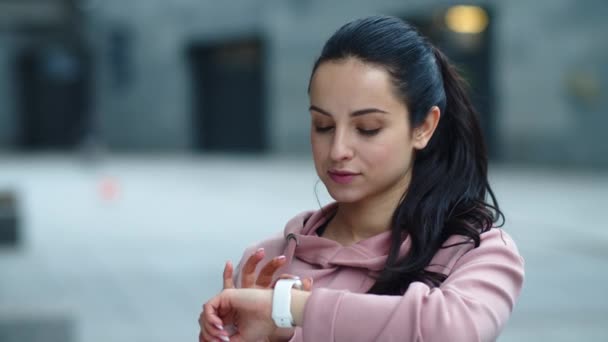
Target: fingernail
218 326
282 257
224 338
260 250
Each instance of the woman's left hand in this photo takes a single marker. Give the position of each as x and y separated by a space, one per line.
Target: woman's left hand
248 309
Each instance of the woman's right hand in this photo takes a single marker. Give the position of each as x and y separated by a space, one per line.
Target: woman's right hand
264 280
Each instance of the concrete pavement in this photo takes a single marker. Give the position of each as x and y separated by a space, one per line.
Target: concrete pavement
128 248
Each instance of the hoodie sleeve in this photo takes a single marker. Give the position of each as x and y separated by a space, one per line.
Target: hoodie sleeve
473 303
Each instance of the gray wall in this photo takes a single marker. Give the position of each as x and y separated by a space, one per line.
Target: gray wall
7 117
550 74
552 81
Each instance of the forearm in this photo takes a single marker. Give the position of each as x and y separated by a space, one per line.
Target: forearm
474 303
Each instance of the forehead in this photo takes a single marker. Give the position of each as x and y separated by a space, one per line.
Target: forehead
351 84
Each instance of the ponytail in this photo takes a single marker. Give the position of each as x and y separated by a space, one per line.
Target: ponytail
466 126
447 194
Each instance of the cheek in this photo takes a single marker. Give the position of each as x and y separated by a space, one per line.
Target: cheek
319 150
316 146
391 155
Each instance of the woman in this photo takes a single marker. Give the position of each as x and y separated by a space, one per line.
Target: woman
409 251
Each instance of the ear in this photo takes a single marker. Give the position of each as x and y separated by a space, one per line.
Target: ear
423 133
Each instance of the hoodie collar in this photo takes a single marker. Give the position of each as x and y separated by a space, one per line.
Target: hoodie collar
305 244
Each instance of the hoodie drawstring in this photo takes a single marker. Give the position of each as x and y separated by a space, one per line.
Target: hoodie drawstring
290 250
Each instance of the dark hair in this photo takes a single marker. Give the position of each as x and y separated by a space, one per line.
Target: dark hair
449 186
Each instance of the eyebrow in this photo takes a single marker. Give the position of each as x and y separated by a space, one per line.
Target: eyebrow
355 113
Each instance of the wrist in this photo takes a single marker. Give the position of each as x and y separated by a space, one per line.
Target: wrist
282 335
298 303
281 302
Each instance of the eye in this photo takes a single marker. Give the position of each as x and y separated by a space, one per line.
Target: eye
323 129
368 132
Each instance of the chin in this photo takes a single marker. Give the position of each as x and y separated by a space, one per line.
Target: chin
345 195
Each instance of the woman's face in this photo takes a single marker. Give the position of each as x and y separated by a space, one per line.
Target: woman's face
360 131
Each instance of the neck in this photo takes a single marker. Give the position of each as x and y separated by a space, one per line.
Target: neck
373 215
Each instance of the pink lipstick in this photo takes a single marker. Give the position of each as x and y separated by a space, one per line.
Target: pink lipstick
342 177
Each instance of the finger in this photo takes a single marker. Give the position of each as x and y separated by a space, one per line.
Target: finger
284 276
228 275
266 274
248 272
307 284
210 315
212 333
211 325
206 337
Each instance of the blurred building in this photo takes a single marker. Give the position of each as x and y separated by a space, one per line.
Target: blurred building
207 76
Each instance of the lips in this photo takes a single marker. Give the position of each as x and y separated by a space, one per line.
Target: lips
342 176
342 173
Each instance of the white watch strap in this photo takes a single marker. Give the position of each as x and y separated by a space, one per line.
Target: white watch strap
281 302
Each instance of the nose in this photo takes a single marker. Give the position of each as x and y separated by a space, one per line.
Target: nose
341 148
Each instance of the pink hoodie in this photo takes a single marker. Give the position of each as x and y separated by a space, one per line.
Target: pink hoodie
472 304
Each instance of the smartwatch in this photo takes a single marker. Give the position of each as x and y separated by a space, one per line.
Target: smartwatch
281 302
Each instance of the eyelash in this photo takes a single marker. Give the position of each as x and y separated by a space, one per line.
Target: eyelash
369 132
323 129
366 132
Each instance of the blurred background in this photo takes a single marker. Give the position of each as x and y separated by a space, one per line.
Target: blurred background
143 143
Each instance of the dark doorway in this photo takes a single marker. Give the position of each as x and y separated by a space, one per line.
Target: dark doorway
228 98
53 97
471 52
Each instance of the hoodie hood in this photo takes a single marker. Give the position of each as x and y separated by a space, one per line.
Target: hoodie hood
303 243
